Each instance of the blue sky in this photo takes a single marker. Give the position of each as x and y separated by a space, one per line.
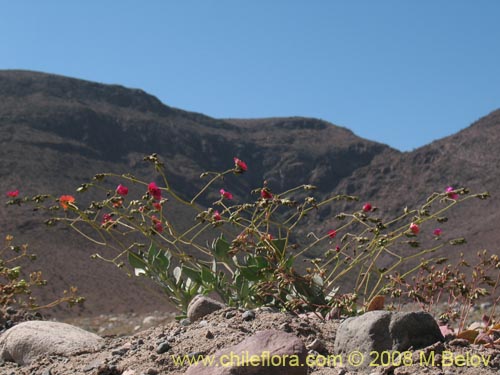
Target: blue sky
398 72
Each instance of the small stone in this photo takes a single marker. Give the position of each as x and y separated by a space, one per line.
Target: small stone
140 342
203 323
11 311
163 348
248 315
185 322
129 372
459 342
201 306
230 314
148 321
286 327
209 335
47 372
152 371
316 345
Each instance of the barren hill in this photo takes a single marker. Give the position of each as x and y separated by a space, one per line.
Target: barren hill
58 132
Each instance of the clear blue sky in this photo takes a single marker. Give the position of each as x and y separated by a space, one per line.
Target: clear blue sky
399 72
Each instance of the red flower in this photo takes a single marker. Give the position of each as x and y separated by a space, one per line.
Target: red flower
106 218
122 190
217 216
226 194
437 232
332 233
13 193
337 248
266 194
157 206
154 191
451 194
414 228
64 201
240 165
367 207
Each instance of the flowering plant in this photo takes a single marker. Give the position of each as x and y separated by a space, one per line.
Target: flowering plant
16 290
250 253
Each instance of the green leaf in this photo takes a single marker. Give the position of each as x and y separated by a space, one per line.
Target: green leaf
279 245
207 276
136 261
220 248
192 274
250 272
158 258
177 274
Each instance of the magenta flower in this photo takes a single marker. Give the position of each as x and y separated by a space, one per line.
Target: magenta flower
332 233
154 191
451 194
266 194
437 232
122 190
414 228
13 193
367 207
106 218
240 165
217 216
226 194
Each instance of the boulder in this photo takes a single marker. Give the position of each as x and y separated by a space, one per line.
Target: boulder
378 331
26 341
266 352
201 306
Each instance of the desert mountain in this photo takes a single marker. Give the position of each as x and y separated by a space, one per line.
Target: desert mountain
58 132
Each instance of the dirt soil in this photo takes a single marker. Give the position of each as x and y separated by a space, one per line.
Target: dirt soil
138 353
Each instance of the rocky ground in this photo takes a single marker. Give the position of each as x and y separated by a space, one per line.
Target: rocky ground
153 351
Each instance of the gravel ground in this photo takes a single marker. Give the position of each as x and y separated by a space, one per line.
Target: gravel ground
141 352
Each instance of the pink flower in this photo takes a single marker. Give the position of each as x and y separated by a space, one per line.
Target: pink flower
266 194
226 194
332 233
367 207
122 190
106 218
217 216
414 228
437 232
240 165
154 191
13 193
451 194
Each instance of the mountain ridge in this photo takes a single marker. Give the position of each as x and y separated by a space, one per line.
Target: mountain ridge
57 132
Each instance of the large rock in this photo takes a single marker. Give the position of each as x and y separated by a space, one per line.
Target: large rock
201 306
24 342
266 352
379 331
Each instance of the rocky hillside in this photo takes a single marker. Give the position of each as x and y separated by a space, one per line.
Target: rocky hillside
57 132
